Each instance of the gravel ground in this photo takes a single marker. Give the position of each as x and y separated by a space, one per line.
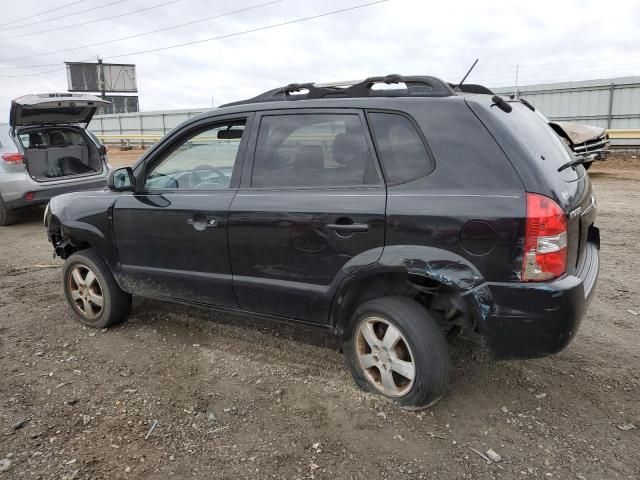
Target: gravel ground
233 397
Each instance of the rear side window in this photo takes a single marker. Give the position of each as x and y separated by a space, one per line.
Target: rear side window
400 148
317 150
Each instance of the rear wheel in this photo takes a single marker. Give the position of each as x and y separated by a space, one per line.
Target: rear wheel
7 217
92 292
394 347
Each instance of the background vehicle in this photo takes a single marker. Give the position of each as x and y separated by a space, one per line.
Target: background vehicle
393 217
46 150
585 140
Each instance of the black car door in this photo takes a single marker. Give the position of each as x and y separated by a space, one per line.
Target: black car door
171 235
311 208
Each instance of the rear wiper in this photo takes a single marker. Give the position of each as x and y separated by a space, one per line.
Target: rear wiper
579 160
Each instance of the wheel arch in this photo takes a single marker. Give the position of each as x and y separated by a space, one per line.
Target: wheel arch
439 279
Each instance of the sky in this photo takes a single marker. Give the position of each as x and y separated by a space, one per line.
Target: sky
548 41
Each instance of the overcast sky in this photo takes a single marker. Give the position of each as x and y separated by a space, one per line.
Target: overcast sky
550 40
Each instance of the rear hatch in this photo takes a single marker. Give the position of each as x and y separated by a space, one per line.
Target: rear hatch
50 129
537 153
54 109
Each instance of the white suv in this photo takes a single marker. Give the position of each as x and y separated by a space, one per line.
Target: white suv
46 150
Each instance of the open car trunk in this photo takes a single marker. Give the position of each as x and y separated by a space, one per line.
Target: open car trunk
55 145
52 153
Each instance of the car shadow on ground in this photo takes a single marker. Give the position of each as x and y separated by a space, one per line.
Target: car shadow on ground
30 215
194 323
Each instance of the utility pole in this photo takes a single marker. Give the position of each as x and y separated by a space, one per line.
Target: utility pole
101 80
517 93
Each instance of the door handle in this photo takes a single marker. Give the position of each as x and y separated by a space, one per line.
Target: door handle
348 228
201 222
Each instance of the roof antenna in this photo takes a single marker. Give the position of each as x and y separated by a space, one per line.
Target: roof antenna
457 87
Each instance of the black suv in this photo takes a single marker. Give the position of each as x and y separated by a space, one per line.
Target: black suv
394 217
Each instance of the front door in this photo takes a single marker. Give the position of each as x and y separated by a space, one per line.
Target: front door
311 208
171 235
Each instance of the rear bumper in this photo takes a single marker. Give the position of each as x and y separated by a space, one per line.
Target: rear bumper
43 195
530 320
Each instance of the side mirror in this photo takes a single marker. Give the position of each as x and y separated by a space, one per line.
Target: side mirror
121 180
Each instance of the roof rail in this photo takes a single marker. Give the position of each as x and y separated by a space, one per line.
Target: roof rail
416 86
472 88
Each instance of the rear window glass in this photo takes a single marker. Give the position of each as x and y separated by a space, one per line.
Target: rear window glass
401 150
538 138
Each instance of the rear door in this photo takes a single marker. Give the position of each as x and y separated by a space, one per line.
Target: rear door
311 208
171 235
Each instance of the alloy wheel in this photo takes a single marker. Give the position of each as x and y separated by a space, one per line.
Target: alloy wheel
86 292
385 357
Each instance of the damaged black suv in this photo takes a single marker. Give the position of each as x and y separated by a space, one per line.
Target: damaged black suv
394 217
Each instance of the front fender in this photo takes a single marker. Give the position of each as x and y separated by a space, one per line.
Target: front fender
84 220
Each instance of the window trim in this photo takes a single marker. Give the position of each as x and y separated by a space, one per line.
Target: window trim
418 130
247 172
167 145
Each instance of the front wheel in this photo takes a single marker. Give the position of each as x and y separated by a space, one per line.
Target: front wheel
395 348
92 292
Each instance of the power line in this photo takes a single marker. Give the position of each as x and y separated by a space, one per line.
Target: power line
64 16
44 73
253 7
253 30
82 24
42 13
229 35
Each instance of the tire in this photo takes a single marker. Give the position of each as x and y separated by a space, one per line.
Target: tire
7 217
84 292
421 343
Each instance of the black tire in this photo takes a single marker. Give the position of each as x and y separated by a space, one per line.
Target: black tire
427 349
7 217
116 304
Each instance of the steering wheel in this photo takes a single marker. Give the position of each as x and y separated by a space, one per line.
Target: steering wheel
195 179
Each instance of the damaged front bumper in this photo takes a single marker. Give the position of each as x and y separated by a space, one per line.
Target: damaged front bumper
530 320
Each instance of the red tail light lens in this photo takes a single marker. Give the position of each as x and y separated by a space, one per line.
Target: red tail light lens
545 245
13 157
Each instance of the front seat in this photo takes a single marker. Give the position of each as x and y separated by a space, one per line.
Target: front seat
35 140
57 139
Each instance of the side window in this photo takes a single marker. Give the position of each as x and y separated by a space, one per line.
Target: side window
203 161
312 150
24 139
401 150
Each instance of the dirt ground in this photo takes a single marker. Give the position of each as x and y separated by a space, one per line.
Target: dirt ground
234 397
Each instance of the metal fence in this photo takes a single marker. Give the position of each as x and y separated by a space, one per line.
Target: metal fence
140 128
612 103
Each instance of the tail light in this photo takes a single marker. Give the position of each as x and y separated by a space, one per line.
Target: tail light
545 244
14 158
